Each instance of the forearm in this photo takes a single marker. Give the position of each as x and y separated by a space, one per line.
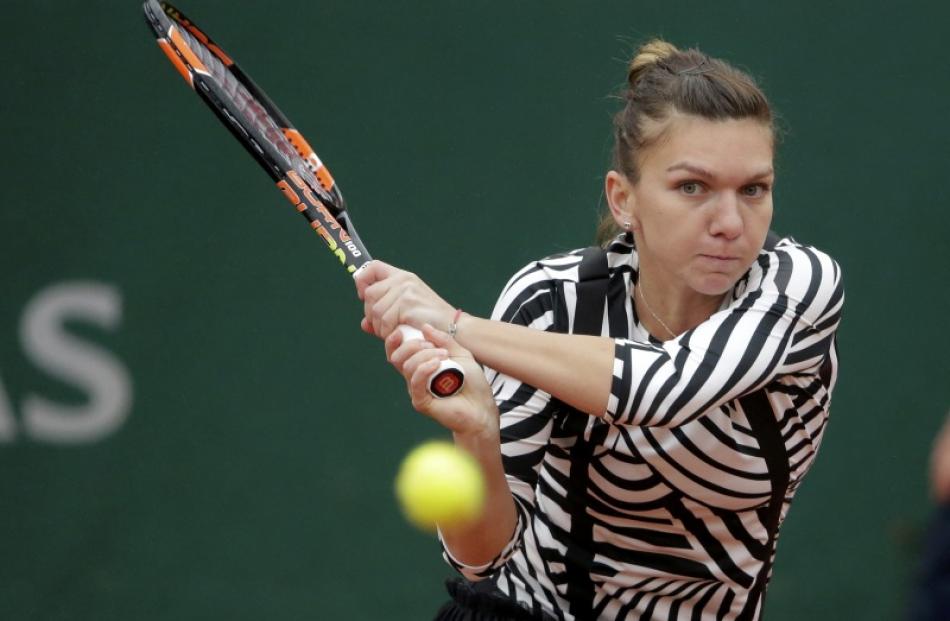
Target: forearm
574 368
481 541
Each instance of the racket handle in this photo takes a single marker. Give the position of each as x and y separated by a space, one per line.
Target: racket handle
448 378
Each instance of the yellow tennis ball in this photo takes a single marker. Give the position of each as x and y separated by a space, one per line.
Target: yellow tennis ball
440 485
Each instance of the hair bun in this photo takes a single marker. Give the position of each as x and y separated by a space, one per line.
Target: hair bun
649 54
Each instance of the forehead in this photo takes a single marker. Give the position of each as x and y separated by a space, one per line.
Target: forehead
727 146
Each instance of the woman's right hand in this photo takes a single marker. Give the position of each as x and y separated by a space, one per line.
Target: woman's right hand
472 411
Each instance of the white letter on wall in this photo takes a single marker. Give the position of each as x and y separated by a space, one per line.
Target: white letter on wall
75 361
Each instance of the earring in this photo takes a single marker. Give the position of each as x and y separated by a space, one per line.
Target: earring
626 225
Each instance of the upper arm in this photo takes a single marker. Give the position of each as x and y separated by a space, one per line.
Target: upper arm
530 299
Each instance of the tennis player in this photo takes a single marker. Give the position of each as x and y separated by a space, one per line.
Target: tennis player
638 465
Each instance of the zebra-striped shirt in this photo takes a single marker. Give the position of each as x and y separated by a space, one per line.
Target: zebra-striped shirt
677 488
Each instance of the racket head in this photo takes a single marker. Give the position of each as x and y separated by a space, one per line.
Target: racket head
256 122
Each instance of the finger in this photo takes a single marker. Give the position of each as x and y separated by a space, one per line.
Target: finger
366 326
391 342
422 357
407 348
380 271
375 290
370 273
370 309
390 321
442 339
363 278
419 383
385 312
368 316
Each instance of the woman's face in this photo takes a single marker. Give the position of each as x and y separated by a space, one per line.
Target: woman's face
703 205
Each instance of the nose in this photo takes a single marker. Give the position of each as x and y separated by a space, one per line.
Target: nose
726 218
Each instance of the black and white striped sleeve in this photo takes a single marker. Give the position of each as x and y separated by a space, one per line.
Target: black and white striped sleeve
782 322
529 299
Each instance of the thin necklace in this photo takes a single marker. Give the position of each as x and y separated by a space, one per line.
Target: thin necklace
643 297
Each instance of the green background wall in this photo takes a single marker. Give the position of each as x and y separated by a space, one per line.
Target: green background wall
243 468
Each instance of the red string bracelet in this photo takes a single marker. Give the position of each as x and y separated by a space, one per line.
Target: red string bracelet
454 327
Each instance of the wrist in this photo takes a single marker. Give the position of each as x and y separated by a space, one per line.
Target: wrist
485 432
478 441
453 327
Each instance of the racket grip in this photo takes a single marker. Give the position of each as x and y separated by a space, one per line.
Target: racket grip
448 379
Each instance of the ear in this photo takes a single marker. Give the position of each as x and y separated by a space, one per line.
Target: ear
621 200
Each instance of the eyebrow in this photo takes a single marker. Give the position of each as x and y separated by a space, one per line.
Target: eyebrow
702 172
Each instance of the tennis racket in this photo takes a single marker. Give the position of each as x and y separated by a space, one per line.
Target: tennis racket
276 145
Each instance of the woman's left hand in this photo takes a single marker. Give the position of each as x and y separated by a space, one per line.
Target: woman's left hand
392 297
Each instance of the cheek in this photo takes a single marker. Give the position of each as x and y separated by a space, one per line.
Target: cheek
757 227
672 236
660 219
676 251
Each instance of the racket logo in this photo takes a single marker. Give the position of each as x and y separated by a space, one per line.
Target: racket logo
320 218
447 383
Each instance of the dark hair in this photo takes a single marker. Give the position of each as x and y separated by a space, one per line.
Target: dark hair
662 80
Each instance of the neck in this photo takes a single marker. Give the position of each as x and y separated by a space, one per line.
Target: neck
668 309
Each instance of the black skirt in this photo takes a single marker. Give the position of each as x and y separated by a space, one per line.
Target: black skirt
482 601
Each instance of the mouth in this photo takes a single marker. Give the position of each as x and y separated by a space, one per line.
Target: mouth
719 257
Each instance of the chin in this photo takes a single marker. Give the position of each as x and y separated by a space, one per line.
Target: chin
714 284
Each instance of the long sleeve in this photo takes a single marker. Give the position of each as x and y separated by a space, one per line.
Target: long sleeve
782 321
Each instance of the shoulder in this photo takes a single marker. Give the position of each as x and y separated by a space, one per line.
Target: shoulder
537 288
799 264
564 266
540 285
801 272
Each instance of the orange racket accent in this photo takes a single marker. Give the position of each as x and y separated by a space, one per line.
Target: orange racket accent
306 152
289 193
293 176
217 51
325 179
176 15
176 61
182 46
296 139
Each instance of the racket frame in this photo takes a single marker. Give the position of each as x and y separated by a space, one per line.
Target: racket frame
277 146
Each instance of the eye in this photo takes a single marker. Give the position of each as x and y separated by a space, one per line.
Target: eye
756 190
691 188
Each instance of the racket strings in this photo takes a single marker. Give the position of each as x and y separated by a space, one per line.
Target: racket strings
252 112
